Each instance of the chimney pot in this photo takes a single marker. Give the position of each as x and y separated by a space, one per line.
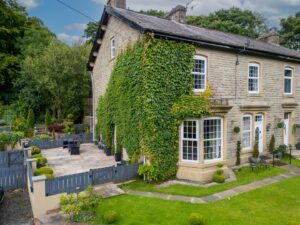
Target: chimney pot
117 3
178 14
271 37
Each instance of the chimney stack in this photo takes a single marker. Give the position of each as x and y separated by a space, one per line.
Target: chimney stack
117 3
177 14
271 37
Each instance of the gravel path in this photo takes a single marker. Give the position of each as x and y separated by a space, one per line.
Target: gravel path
16 208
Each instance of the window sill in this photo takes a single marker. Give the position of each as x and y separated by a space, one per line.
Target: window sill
285 95
211 161
198 91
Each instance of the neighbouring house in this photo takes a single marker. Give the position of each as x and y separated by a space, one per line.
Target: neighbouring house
256 84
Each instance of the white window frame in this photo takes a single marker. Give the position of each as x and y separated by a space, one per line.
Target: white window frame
199 57
289 78
112 47
258 77
222 140
251 131
190 139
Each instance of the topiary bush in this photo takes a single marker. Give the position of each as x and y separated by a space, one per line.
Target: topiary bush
148 95
272 144
255 153
41 160
43 170
238 153
48 118
110 217
196 219
35 150
218 178
220 172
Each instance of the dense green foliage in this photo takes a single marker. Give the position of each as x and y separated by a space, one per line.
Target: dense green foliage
272 144
147 80
290 31
47 118
238 153
10 138
276 204
69 124
35 150
81 207
91 31
43 170
233 20
153 12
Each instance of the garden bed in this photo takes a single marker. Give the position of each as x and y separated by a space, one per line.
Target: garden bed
244 176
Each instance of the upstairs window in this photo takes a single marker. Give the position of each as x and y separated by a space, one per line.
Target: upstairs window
199 73
253 78
113 48
288 81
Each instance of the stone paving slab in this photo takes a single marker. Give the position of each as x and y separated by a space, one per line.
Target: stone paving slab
90 158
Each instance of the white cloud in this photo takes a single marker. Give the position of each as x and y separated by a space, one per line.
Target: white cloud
29 4
70 39
76 27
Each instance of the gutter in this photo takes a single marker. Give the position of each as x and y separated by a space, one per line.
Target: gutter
93 101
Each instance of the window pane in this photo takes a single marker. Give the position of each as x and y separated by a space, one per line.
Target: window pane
199 74
253 84
212 139
199 66
253 78
189 140
288 73
247 131
287 85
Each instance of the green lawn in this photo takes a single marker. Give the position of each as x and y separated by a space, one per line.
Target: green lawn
276 204
295 162
244 176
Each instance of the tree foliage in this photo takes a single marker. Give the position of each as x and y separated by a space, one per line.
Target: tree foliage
91 31
233 20
153 12
147 80
290 31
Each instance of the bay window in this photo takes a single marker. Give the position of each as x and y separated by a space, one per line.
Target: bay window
212 138
190 140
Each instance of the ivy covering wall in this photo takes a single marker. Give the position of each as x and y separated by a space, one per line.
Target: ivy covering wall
149 93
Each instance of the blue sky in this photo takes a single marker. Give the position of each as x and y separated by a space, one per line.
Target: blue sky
69 25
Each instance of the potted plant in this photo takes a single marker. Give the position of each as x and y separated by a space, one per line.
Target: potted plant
108 146
298 145
281 150
118 153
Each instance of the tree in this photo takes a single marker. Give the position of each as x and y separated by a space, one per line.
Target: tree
153 12
233 20
13 21
60 75
30 119
290 31
47 118
91 31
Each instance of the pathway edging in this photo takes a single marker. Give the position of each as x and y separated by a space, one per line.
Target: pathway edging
293 171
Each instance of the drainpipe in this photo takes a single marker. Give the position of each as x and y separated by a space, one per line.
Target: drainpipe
93 102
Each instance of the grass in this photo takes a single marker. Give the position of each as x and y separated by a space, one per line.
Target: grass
276 204
295 162
244 176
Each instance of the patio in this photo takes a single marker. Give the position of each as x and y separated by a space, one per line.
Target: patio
65 164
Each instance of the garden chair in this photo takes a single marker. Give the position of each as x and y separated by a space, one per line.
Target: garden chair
253 164
65 143
263 162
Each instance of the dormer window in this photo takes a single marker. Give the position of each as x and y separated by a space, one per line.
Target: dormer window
199 73
113 48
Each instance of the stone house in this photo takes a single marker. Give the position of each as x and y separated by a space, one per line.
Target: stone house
256 84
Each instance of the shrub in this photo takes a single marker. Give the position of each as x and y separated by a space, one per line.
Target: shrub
272 144
218 178
47 118
255 153
40 137
80 207
41 160
110 217
220 172
43 171
196 219
36 156
35 150
282 148
220 165
238 153
10 138
236 130
30 119
49 176
69 124
19 124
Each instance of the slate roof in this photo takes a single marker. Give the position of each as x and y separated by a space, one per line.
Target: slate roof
178 31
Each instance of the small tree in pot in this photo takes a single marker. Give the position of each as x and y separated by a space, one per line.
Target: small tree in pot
118 152
108 145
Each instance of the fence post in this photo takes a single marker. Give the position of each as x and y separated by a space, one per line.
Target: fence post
90 177
38 197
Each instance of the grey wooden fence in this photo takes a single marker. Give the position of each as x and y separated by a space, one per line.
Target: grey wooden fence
79 182
12 178
48 144
5 129
12 158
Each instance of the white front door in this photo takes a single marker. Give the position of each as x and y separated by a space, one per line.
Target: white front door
286 129
259 131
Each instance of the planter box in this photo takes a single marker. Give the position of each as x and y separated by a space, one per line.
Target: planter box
108 151
118 156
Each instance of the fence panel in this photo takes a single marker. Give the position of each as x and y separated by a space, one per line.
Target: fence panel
102 175
125 173
12 178
12 158
68 184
